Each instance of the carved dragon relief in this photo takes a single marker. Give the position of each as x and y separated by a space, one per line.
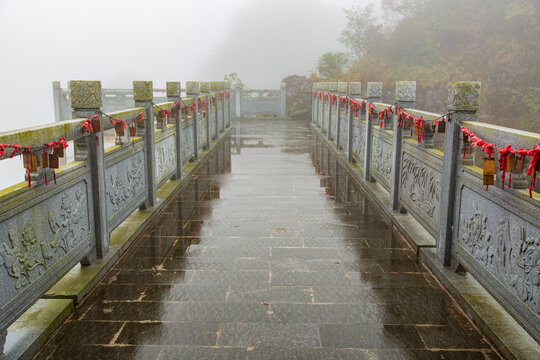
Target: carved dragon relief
512 257
382 158
422 185
121 190
31 252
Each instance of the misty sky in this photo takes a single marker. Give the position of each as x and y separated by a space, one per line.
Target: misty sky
120 41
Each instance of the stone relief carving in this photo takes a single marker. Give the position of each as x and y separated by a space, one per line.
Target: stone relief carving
359 142
374 89
143 90
202 133
511 255
355 87
381 158
85 94
187 142
405 90
31 251
464 94
124 182
344 130
165 155
422 185
173 88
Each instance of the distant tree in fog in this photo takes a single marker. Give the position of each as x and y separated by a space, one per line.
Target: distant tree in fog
331 65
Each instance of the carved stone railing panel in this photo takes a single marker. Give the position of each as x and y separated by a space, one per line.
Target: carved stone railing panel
333 123
125 185
262 102
381 157
359 141
165 157
220 116
212 121
187 141
420 184
41 239
202 133
344 130
498 240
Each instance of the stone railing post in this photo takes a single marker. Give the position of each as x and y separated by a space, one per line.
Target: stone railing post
463 104
314 104
57 101
227 88
354 90
343 90
332 89
192 89
317 88
143 94
173 94
237 98
205 89
374 94
283 99
405 95
214 87
86 102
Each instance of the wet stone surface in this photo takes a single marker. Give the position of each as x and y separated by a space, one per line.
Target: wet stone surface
270 253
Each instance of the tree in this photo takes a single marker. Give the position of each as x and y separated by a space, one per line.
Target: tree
235 81
437 41
331 65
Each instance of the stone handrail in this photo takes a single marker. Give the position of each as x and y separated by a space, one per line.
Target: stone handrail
494 235
265 102
46 230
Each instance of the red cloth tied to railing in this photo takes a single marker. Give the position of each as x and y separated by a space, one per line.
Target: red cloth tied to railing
371 112
87 126
16 149
164 113
419 126
503 160
535 159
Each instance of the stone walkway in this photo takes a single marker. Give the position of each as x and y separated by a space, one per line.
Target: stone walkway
275 262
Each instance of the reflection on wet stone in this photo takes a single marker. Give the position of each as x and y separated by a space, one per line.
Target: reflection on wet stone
269 253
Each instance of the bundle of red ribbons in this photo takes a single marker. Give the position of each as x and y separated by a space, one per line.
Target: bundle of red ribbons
509 159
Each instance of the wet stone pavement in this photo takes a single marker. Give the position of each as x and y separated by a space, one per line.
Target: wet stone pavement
269 253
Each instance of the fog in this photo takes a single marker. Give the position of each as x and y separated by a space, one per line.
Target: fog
120 41
164 40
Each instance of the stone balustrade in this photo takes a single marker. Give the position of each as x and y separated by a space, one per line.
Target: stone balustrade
46 230
494 235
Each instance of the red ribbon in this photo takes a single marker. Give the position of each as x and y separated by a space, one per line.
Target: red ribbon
16 149
535 159
504 154
371 112
419 124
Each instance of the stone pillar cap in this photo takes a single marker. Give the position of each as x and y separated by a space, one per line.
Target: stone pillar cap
85 94
405 91
143 91
464 95
173 89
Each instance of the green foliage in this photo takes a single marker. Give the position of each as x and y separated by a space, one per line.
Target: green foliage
234 80
437 41
331 65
